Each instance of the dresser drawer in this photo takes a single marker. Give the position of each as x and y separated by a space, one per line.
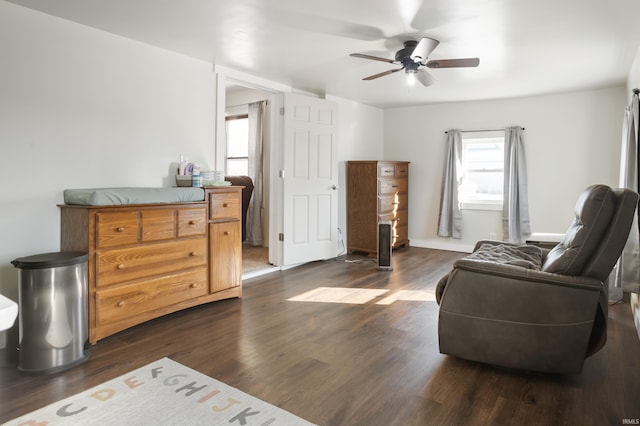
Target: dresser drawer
225 205
119 265
386 170
158 225
392 186
401 170
399 227
117 228
124 302
390 203
192 222
400 234
386 204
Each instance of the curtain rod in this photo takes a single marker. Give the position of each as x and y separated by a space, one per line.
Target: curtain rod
266 102
485 130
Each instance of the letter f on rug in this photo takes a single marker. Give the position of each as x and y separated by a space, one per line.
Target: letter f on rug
161 393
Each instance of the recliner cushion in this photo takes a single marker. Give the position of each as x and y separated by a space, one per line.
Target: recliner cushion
525 256
593 213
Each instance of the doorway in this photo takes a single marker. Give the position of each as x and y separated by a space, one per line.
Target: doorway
296 197
238 98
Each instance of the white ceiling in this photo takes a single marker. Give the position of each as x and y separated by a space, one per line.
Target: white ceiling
526 47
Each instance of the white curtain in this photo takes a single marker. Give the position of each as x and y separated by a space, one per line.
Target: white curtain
516 226
254 212
450 220
627 271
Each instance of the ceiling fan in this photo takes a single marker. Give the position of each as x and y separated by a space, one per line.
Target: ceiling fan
413 58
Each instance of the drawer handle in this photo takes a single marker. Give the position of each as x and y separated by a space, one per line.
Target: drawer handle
120 229
395 204
193 253
192 222
121 266
225 205
395 186
226 232
120 304
193 285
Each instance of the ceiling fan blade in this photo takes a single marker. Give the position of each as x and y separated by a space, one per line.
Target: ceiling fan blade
454 63
374 58
424 77
423 49
382 74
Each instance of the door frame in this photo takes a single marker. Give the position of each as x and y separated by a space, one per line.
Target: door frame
223 77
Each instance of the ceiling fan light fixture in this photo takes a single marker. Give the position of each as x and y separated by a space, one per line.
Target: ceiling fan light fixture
410 67
413 58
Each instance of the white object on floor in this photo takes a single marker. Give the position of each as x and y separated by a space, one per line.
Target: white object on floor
546 237
8 313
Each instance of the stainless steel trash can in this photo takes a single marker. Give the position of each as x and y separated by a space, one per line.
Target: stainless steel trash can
52 311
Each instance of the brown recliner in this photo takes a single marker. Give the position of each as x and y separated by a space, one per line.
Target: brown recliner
247 183
508 306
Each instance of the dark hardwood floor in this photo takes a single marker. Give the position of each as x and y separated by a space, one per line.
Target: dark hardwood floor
372 363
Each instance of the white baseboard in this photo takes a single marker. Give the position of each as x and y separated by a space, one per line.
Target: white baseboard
442 245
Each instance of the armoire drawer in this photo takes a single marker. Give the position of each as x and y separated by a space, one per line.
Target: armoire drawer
389 203
400 234
401 170
119 265
392 186
386 170
119 303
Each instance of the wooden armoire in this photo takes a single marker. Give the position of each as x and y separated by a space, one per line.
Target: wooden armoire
376 191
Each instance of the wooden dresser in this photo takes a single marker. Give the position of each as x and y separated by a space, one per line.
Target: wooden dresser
376 191
149 260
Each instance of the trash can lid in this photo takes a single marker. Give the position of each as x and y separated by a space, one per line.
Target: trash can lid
50 260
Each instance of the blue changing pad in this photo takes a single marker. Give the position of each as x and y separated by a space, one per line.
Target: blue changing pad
121 196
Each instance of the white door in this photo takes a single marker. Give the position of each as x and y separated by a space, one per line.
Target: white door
310 179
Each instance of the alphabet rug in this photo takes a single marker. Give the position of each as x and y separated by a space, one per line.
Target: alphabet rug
164 392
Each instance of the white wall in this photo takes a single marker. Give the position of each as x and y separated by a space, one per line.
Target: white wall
84 108
572 140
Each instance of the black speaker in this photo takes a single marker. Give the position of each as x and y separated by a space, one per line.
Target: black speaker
385 241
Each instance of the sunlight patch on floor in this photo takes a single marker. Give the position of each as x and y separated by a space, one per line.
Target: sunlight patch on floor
409 295
339 295
361 296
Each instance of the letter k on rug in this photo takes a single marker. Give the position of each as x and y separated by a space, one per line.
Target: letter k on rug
161 393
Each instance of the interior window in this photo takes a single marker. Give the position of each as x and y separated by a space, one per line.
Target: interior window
482 171
237 145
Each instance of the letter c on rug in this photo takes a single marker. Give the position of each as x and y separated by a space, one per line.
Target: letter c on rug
62 411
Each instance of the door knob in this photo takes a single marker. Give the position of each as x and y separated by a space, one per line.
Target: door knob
334 187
